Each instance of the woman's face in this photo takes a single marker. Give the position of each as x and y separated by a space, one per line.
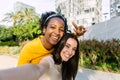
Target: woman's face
69 49
54 31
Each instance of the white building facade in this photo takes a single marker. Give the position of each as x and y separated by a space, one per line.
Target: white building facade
114 8
21 6
83 12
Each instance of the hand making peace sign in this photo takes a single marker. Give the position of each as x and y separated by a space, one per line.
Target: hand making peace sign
79 30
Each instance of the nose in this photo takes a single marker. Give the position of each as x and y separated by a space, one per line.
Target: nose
57 31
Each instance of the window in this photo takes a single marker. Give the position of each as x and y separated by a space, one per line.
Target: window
86 11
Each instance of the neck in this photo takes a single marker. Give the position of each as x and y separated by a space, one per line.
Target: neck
46 44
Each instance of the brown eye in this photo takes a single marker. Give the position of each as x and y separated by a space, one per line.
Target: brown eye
62 29
74 49
67 46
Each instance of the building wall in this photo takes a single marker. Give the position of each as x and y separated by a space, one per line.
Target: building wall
19 6
83 12
114 8
107 30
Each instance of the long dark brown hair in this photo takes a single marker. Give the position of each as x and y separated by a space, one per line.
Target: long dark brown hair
69 68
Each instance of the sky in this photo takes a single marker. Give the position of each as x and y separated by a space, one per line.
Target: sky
6 6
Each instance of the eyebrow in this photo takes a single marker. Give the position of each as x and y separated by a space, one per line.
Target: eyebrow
67 43
70 44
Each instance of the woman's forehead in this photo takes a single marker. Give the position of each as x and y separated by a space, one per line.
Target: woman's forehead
71 41
56 20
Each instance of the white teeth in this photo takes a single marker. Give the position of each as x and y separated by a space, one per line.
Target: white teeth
67 56
54 37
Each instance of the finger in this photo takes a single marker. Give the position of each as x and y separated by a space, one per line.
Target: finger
81 27
74 30
75 25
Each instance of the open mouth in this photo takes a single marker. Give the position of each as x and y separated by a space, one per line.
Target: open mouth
55 38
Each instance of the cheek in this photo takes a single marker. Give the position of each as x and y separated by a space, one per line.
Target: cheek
62 33
73 54
62 54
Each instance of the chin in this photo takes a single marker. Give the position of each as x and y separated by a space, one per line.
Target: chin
65 60
54 43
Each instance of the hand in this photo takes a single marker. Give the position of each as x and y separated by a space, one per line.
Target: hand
79 30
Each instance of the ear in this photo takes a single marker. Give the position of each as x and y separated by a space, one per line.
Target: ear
44 30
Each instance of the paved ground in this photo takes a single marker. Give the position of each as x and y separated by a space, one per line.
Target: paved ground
7 61
87 74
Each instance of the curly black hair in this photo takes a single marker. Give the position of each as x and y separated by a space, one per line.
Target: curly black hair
45 18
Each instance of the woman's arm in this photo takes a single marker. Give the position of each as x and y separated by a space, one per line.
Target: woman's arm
25 72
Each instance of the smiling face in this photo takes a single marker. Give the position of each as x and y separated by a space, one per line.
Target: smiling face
53 32
69 49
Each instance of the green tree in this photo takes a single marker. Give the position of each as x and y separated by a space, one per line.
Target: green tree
28 15
27 31
13 17
25 24
6 34
23 16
